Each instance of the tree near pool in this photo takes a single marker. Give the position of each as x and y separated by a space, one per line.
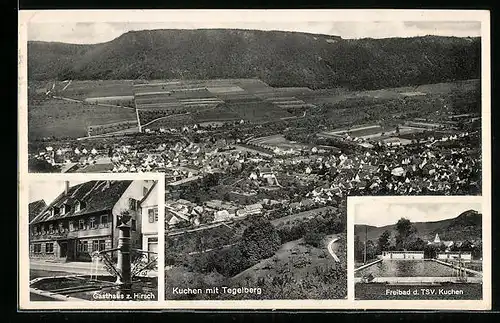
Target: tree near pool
383 241
430 251
406 233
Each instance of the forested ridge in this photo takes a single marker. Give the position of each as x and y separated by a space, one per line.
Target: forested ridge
277 58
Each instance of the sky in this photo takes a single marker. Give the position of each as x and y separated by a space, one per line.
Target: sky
47 190
385 213
98 32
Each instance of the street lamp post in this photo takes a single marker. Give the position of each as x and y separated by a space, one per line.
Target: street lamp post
123 261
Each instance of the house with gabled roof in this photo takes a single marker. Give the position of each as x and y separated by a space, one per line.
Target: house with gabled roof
83 219
34 208
149 227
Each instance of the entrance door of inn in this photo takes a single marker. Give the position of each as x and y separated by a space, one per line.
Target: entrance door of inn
63 249
71 250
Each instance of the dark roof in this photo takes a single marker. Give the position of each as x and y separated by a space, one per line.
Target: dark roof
96 168
35 208
149 192
96 196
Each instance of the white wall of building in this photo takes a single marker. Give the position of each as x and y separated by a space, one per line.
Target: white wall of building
402 255
454 255
150 229
136 191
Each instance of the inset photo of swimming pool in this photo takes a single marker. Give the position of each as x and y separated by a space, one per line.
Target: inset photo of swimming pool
427 248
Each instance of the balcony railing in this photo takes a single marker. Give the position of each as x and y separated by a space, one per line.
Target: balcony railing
52 235
102 228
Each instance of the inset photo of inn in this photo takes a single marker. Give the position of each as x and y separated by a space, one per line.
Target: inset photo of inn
93 240
431 248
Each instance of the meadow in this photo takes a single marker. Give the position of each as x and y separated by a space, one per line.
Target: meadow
64 119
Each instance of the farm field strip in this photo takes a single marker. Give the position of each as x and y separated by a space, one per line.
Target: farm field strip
340 131
159 105
277 141
110 98
171 91
156 84
155 99
225 89
115 123
199 105
305 105
412 93
367 133
92 103
111 134
201 100
139 94
282 102
283 98
293 90
272 138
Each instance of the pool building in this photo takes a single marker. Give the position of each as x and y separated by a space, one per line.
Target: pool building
417 255
410 255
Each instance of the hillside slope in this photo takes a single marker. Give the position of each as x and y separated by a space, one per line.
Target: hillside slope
466 226
278 58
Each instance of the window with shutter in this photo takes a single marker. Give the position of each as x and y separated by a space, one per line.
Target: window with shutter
151 215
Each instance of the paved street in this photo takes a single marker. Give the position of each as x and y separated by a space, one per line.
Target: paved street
81 268
78 268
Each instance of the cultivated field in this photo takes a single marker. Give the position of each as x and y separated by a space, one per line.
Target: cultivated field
211 100
81 104
332 96
278 141
59 118
290 219
87 89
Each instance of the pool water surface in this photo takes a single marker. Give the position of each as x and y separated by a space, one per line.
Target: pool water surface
407 268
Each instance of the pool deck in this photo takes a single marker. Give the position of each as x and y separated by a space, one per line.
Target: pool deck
470 271
367 265
420 280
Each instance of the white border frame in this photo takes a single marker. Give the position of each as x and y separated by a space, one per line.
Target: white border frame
23 245
290 16
483 304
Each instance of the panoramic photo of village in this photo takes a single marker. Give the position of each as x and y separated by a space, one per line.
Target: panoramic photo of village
261 130
93 240
418 250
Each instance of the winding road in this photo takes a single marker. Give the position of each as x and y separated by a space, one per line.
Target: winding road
330 249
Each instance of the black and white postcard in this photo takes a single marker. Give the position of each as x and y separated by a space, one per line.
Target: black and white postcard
261 125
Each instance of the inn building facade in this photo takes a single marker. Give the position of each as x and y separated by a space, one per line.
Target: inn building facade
83 219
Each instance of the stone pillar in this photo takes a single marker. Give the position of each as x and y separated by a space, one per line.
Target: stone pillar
124 265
